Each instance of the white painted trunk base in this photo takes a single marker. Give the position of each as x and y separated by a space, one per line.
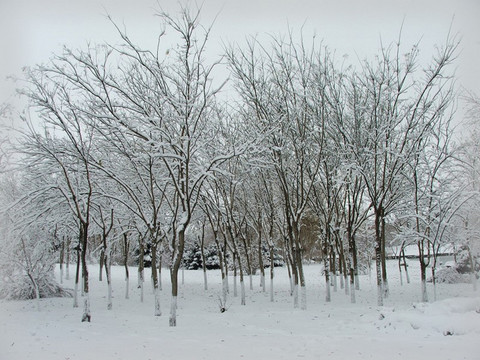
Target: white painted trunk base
173 312
328 296
109 294
242 293
295 296
271 290
67 272
158 311
75 296
235 292
303 297
86 309
353 299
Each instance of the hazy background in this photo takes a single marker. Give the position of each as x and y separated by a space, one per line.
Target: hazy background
31 30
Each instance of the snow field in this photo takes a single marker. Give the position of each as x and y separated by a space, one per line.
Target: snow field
403 329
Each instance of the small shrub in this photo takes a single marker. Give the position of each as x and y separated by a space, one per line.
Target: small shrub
450 275
18 286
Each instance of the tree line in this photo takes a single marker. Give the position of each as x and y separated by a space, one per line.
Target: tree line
128 150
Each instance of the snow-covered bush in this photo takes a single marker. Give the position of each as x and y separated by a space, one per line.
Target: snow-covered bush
278 260
212 260
464 262
192 257
19 286
450 275
147 255
27 269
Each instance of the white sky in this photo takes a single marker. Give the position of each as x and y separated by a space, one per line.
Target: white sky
31 30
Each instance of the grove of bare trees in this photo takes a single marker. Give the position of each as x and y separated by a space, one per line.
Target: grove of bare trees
130 156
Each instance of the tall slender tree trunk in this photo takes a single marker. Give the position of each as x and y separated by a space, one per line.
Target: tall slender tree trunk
62 257
77 278
67 265
326 264
378 258
286 256
351 263
260 260
160 257
101 264
301 274
473 277
84 236
333 268
272 271
296 281
202 252
235 291
177 260
126 248
424 262
243 300
141 269
225 264
108 263
156 290
249 261
386 290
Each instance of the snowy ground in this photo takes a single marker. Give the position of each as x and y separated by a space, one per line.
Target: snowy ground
402 329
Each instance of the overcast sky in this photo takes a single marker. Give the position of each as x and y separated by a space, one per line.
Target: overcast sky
31 30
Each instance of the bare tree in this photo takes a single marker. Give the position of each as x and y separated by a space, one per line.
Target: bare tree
402 108
276 86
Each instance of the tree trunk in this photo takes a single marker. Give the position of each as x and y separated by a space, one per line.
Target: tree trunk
141 268
260 262
301 274
101 263
222 266
400 269
160 256
177 260
333 267
286 256
84 236
249 262
156 291
386 290
77 279
353 299
378 258
326 266
108 263
62 257
423 278
125 262
202 251
35 288
351 263
225 264
235 293
355 262
243 300
67 265
272 272
473 277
